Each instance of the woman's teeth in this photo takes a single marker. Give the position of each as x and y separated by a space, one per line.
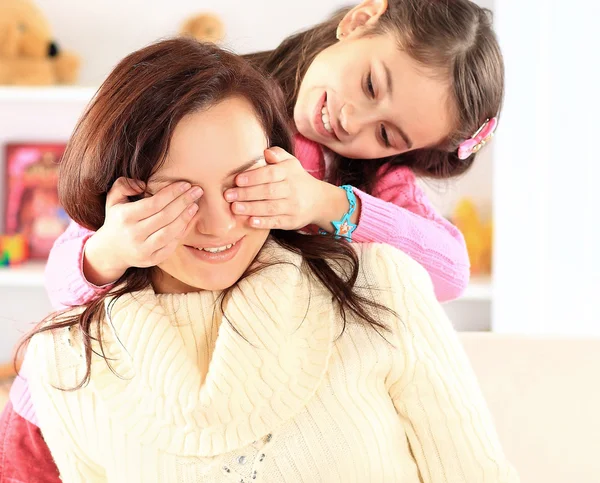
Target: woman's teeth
217 249
326 120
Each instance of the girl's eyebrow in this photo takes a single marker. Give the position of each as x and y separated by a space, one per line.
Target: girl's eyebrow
233 172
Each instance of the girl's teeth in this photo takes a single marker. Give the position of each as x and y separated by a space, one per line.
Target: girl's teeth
326 120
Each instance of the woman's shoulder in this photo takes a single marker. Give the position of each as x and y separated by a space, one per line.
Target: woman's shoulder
58 349
54 350
393 272
386 261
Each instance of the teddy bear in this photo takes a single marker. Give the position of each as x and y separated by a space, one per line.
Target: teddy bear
478 236
28 53
204 27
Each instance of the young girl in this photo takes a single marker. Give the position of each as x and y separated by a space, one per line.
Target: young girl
270 362
378 94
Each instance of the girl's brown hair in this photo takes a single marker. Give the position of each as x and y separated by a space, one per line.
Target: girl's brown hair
126 131
454 37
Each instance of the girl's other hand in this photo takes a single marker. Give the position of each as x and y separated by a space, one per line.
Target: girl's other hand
281 195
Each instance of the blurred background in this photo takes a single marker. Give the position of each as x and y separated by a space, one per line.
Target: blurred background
528 207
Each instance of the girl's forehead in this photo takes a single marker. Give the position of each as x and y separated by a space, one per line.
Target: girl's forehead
420 96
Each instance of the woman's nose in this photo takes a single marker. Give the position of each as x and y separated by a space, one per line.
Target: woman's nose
214 217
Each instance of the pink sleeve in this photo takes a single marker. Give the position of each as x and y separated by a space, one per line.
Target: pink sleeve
400 215
65 282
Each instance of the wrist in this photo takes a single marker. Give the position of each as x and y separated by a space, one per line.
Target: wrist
334 206
99 266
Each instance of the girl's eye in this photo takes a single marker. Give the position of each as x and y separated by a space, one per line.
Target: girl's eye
384 136
370 88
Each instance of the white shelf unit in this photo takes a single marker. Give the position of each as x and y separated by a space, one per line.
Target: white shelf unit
31 114
479 289
28 275
79 94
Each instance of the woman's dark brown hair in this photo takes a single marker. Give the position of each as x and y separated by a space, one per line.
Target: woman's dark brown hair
126 131
453 37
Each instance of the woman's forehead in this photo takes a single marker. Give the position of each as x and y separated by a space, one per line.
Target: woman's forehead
224 138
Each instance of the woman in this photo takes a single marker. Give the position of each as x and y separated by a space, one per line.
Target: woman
246 355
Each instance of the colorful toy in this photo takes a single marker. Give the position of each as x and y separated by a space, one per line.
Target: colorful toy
13 250
204 27
28 53
478 236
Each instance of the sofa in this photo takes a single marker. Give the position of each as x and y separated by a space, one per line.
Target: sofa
544 395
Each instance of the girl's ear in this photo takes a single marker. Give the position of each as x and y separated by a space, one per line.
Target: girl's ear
363 15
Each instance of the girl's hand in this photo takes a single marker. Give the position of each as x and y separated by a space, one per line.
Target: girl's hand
281 195
140 233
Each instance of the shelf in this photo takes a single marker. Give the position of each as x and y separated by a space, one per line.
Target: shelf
30 274
80 94
480 288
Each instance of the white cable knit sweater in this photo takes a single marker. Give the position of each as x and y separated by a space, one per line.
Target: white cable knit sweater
195 402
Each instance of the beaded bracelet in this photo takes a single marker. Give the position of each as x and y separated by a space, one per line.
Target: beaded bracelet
344 227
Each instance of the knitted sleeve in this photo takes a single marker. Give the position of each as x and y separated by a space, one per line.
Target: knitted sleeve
65 282
433 386
399 214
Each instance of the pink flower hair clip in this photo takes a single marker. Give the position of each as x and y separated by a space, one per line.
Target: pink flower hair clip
479 139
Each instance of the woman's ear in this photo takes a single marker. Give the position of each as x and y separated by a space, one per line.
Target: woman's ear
363 15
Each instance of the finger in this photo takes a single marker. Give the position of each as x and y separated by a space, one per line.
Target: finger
182 191
261 208
175 216
271 223
165 252
267 174
121 189
270 191
276 155
173 232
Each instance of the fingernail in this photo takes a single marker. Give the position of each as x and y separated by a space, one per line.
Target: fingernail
255 222
196 192
184 187
240 207
231 195
242 180
192 209
277 153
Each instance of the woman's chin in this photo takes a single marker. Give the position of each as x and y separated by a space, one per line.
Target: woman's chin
215 284
173 281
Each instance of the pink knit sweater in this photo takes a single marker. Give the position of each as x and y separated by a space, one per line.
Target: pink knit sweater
398 214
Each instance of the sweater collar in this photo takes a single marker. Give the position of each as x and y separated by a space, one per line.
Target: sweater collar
251 386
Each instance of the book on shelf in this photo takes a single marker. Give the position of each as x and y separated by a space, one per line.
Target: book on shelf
32 206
